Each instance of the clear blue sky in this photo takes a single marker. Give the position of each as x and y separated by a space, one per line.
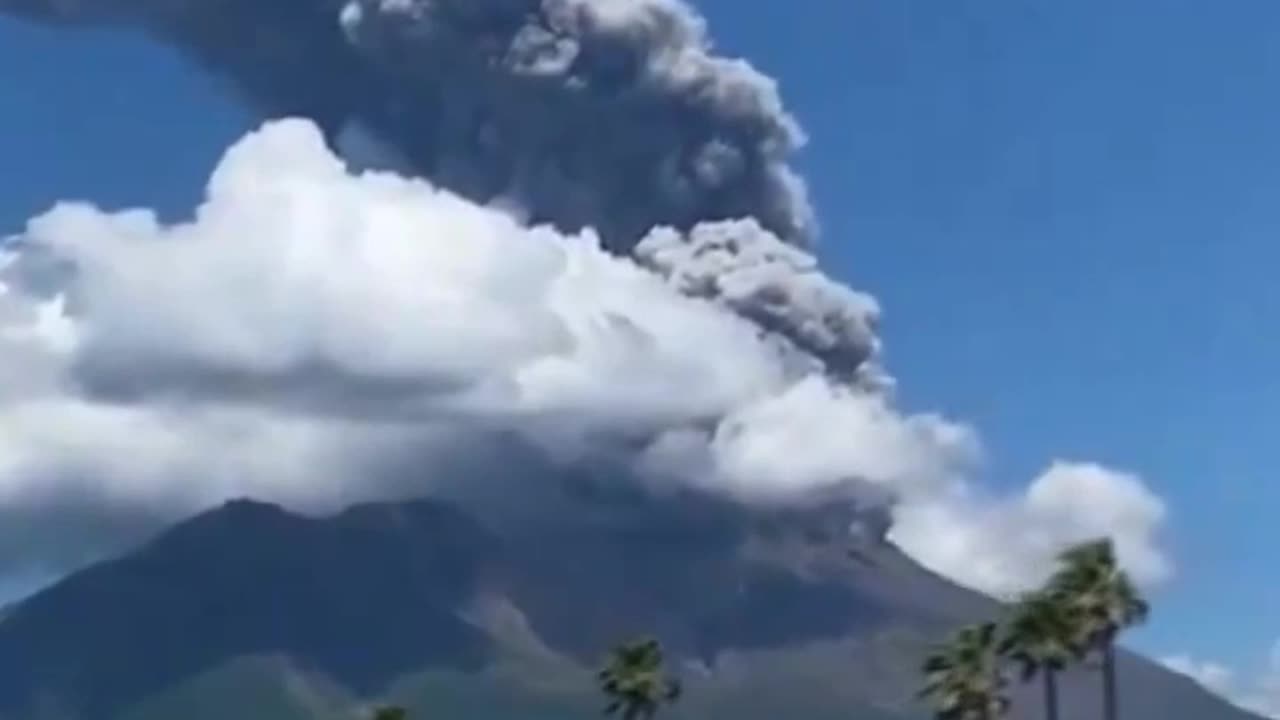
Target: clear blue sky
1068 209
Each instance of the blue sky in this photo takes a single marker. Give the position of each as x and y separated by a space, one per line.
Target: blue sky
1066 209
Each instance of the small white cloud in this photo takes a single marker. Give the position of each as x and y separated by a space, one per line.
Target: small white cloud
1258 693
1006 545
1212 676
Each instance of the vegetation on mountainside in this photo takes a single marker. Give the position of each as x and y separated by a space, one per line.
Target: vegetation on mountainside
1079 611
634 682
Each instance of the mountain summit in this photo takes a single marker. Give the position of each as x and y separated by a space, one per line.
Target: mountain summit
252 611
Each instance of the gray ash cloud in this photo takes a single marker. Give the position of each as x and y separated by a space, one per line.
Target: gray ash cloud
779 287
613 114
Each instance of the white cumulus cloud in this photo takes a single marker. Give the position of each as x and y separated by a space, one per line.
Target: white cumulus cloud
1004 545
315 337
1212 676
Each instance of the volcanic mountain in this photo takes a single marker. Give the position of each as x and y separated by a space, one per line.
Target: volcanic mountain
252 611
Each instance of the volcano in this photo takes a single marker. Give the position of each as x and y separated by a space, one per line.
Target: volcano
252 611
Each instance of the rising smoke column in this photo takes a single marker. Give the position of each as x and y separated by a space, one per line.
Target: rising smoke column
613 114
779 287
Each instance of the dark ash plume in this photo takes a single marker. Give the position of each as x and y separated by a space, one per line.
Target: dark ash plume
777 286
612 114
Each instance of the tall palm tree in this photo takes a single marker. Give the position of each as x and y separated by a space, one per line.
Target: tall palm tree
390 712
1103 602
1039 638
635 681
963 677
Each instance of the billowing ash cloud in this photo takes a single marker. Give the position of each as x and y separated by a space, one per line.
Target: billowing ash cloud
778 286
612 114
602 269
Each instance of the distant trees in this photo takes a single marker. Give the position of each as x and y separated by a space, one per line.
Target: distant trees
635 682
1081 609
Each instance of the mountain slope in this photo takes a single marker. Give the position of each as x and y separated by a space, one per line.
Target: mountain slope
252 611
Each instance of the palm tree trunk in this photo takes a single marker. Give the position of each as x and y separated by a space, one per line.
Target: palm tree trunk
1110 707
1050 694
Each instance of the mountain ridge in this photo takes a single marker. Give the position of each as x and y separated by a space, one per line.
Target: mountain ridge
384 599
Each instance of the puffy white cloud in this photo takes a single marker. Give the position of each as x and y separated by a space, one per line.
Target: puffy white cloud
1215 677
308 324
315 337
1005 545
299 284
812 437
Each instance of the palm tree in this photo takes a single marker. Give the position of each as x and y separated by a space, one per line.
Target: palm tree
964 679
390 712
1039 637
635 681
1103 602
